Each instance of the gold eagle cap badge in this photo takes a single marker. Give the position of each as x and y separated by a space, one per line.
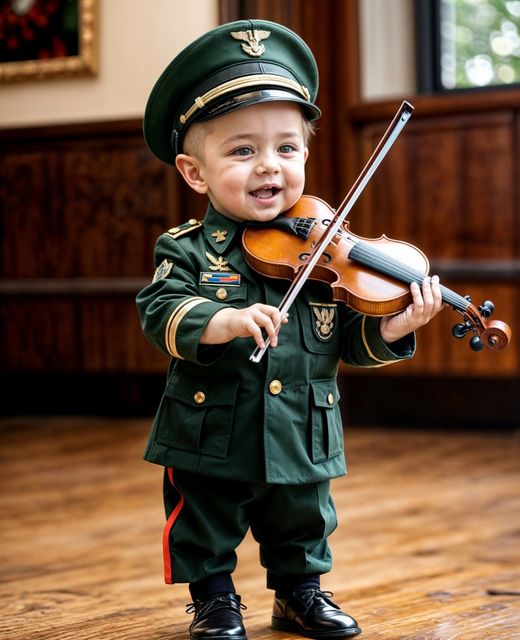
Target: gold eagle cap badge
252 41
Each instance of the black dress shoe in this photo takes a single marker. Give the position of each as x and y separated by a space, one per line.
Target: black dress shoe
311 613
218 617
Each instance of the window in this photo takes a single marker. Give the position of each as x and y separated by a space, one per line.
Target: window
467 44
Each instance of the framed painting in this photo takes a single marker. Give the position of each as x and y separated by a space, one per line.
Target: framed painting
47 38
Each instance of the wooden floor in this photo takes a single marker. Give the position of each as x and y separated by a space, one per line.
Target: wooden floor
428 546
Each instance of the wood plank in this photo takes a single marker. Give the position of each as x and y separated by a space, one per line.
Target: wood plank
429 525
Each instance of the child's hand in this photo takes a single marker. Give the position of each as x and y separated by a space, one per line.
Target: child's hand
232 323
424 306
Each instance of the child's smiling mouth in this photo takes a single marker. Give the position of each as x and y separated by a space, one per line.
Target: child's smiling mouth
265 193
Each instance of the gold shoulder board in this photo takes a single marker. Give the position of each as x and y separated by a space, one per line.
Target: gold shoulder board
183 229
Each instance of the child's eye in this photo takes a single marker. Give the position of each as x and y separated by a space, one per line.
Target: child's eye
287 148
242 151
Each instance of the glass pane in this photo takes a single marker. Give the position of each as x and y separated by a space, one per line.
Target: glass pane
480 43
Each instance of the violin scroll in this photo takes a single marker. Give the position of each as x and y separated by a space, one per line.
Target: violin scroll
494 334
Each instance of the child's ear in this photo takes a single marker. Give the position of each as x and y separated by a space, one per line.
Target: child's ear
189 167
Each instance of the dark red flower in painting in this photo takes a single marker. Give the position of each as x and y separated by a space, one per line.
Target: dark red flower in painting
38 29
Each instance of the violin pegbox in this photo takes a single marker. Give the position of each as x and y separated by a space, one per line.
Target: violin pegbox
493 335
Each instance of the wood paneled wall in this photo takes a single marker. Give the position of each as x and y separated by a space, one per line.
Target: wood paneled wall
449 186
81 207
80 210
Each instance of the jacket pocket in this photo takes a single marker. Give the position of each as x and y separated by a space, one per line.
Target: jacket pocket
197 415
326 428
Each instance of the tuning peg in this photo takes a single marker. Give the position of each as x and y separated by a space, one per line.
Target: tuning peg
476 344
486 308
460 329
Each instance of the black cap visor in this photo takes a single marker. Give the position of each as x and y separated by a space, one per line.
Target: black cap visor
232 103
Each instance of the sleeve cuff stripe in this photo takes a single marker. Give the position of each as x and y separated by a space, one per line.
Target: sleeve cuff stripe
369 350
174 321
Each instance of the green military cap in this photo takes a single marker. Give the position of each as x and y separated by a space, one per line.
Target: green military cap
230 67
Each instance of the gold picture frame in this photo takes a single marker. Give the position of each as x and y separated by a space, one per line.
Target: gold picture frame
20 58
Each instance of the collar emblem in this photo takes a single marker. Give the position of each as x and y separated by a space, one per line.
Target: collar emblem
219 236
251 41
217 264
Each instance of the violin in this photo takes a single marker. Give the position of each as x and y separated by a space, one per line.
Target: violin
312 241
372 276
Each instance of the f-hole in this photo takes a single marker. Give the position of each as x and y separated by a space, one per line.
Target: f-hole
303 257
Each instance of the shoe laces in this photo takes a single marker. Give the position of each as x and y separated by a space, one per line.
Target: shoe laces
307 596
221 601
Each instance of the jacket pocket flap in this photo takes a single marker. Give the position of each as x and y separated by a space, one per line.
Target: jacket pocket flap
199 392
325 393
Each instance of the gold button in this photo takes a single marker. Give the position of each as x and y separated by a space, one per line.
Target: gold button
275 387
199 397
221 293
192 221
330 398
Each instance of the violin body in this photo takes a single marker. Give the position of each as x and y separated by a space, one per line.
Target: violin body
276 254
372 276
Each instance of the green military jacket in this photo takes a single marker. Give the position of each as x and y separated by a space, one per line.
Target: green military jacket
222 415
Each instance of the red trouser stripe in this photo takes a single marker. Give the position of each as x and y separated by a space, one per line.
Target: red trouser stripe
168 577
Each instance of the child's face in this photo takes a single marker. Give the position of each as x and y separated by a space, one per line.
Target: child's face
253 159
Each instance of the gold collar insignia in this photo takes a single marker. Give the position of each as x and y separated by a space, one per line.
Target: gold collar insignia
219 236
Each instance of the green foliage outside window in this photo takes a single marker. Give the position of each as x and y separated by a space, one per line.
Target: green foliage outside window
480 43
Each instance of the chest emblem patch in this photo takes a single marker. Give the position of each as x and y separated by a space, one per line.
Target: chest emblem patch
217 264
163 270
324 320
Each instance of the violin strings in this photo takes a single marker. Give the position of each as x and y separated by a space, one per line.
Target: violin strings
366 255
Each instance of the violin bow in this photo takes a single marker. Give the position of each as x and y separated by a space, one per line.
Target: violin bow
389 137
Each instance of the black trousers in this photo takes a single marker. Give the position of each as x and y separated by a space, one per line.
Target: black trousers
207 518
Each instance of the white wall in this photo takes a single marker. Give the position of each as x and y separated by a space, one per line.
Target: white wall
387 49
137 40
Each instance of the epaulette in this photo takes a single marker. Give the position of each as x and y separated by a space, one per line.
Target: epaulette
183 229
